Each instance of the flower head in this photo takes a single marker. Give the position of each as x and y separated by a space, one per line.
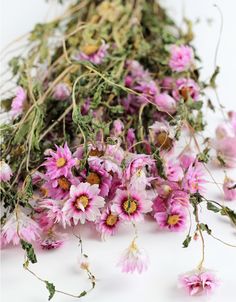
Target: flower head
198 283
185 89
131 206
84 203
108 223
181 58
173 219
133 259
93 53
18 103
60 162
61 92
5 171
193 180
229 188
165 103
51 241
19 226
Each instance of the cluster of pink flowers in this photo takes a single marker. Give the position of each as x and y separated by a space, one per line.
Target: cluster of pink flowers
165 94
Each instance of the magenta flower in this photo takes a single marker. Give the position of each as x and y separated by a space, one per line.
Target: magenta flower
181 58
185 89
199 283
5 171
117 128
61 92
165 103
19 226
229 188
131 206
178 198
60 162
18 103
173 219
51 241
133 259
108 223
84 203
93 54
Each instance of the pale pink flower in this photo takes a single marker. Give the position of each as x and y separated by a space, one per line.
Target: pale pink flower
60 162
181 58
61 92
51 213
84 203
165 103
131 206
5 171
108 223
167 84
133 259
137 163
136 70
97 57
130 138
117 128
224 130
199 283
173 219
18 103
149 90
178 198
185 89
193 180
173 171
19 226
186 160
229 188
226 149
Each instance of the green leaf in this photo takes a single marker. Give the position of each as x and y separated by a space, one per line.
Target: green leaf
204 227
204 155
214 76
187 241
51 288
29 251
159 164
84 293
230 213
212 207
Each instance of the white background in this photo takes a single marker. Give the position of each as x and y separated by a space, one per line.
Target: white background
167 258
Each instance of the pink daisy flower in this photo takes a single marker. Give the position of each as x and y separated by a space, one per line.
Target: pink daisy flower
51 241
181 58
186 88
51 213
108 223
61 92
193 180
59 188
226 149
19 226
5 171
84 203
94 54
229 188
131 206
97 175
199 283
60 162
173 219
18 103
133 259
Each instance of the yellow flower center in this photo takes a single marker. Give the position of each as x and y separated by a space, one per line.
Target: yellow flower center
173 219
130 206
44 191
163 140
111 219
82 200
93 178
96 152
64 183
61 162
90 49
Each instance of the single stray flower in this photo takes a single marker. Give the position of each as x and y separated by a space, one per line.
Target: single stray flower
181 58
199 283
133 259
229 188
